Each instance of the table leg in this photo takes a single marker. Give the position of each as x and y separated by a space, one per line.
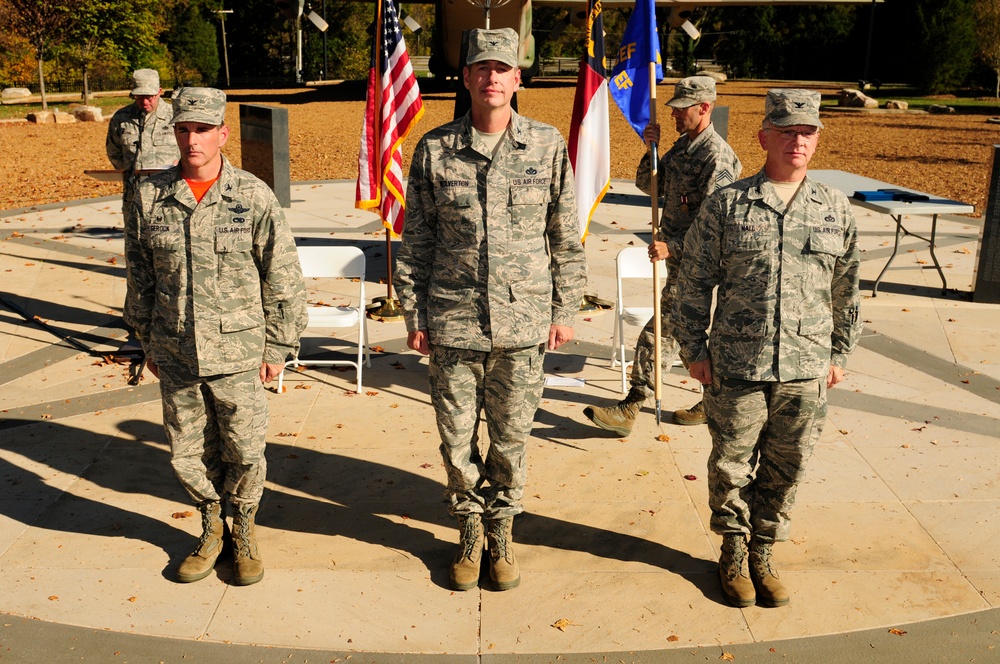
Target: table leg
899 227
944 282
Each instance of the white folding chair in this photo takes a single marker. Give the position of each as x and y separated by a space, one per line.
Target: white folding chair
335 263
632 263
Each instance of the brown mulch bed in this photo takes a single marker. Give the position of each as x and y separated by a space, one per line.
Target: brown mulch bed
948 155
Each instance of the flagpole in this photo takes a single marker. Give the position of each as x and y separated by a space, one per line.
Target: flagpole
654 205
378 133
388 309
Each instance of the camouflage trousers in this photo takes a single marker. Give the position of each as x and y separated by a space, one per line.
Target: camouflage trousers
762 435
505 385
643 363
130 188
216 427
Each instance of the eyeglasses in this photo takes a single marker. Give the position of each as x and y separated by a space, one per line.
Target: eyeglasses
790 134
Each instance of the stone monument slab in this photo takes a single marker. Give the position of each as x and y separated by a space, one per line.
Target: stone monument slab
264 144
986 276
720 120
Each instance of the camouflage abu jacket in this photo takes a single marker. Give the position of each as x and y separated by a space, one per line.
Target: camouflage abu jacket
138 140
215 286
689 171
491 253
788 283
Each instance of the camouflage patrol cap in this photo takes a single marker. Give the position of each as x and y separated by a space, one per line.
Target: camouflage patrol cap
790 106
205 105
499 45
145 82
693 90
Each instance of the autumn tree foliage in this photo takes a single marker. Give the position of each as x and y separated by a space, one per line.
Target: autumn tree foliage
987 13
43 24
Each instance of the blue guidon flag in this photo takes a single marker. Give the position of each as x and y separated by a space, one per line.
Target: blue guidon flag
630 78
589 134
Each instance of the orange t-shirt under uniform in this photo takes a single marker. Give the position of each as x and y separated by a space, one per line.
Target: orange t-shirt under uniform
199 189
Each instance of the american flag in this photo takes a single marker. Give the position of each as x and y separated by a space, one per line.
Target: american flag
393 107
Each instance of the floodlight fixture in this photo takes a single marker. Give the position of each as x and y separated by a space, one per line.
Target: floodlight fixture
318 21
692 32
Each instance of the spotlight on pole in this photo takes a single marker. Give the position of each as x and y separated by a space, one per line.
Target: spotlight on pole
318 21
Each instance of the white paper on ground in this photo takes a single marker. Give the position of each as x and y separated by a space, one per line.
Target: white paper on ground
564 381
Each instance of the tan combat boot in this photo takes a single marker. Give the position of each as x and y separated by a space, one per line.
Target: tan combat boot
465 567
503 564
733 574
620 417
691 416
771 590
214 534
248 568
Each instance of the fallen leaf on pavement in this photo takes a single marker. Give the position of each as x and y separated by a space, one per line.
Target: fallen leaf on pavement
562 624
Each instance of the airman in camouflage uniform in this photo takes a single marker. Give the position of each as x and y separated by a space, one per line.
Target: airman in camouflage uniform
141 135
491 270
698 163
215 294
782 250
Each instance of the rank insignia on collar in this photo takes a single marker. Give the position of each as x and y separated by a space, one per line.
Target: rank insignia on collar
531 171
239 209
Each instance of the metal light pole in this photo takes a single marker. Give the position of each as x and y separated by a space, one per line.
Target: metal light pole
868 50
326 60
298 49
225 49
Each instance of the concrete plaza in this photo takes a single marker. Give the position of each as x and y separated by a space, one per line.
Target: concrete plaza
895 549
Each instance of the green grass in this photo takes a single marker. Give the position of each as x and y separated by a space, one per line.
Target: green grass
108 106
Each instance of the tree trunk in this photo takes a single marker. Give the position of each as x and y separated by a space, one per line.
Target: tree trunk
998 85
86 86
41 85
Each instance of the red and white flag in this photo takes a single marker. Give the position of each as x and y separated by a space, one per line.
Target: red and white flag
589 134
393 107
